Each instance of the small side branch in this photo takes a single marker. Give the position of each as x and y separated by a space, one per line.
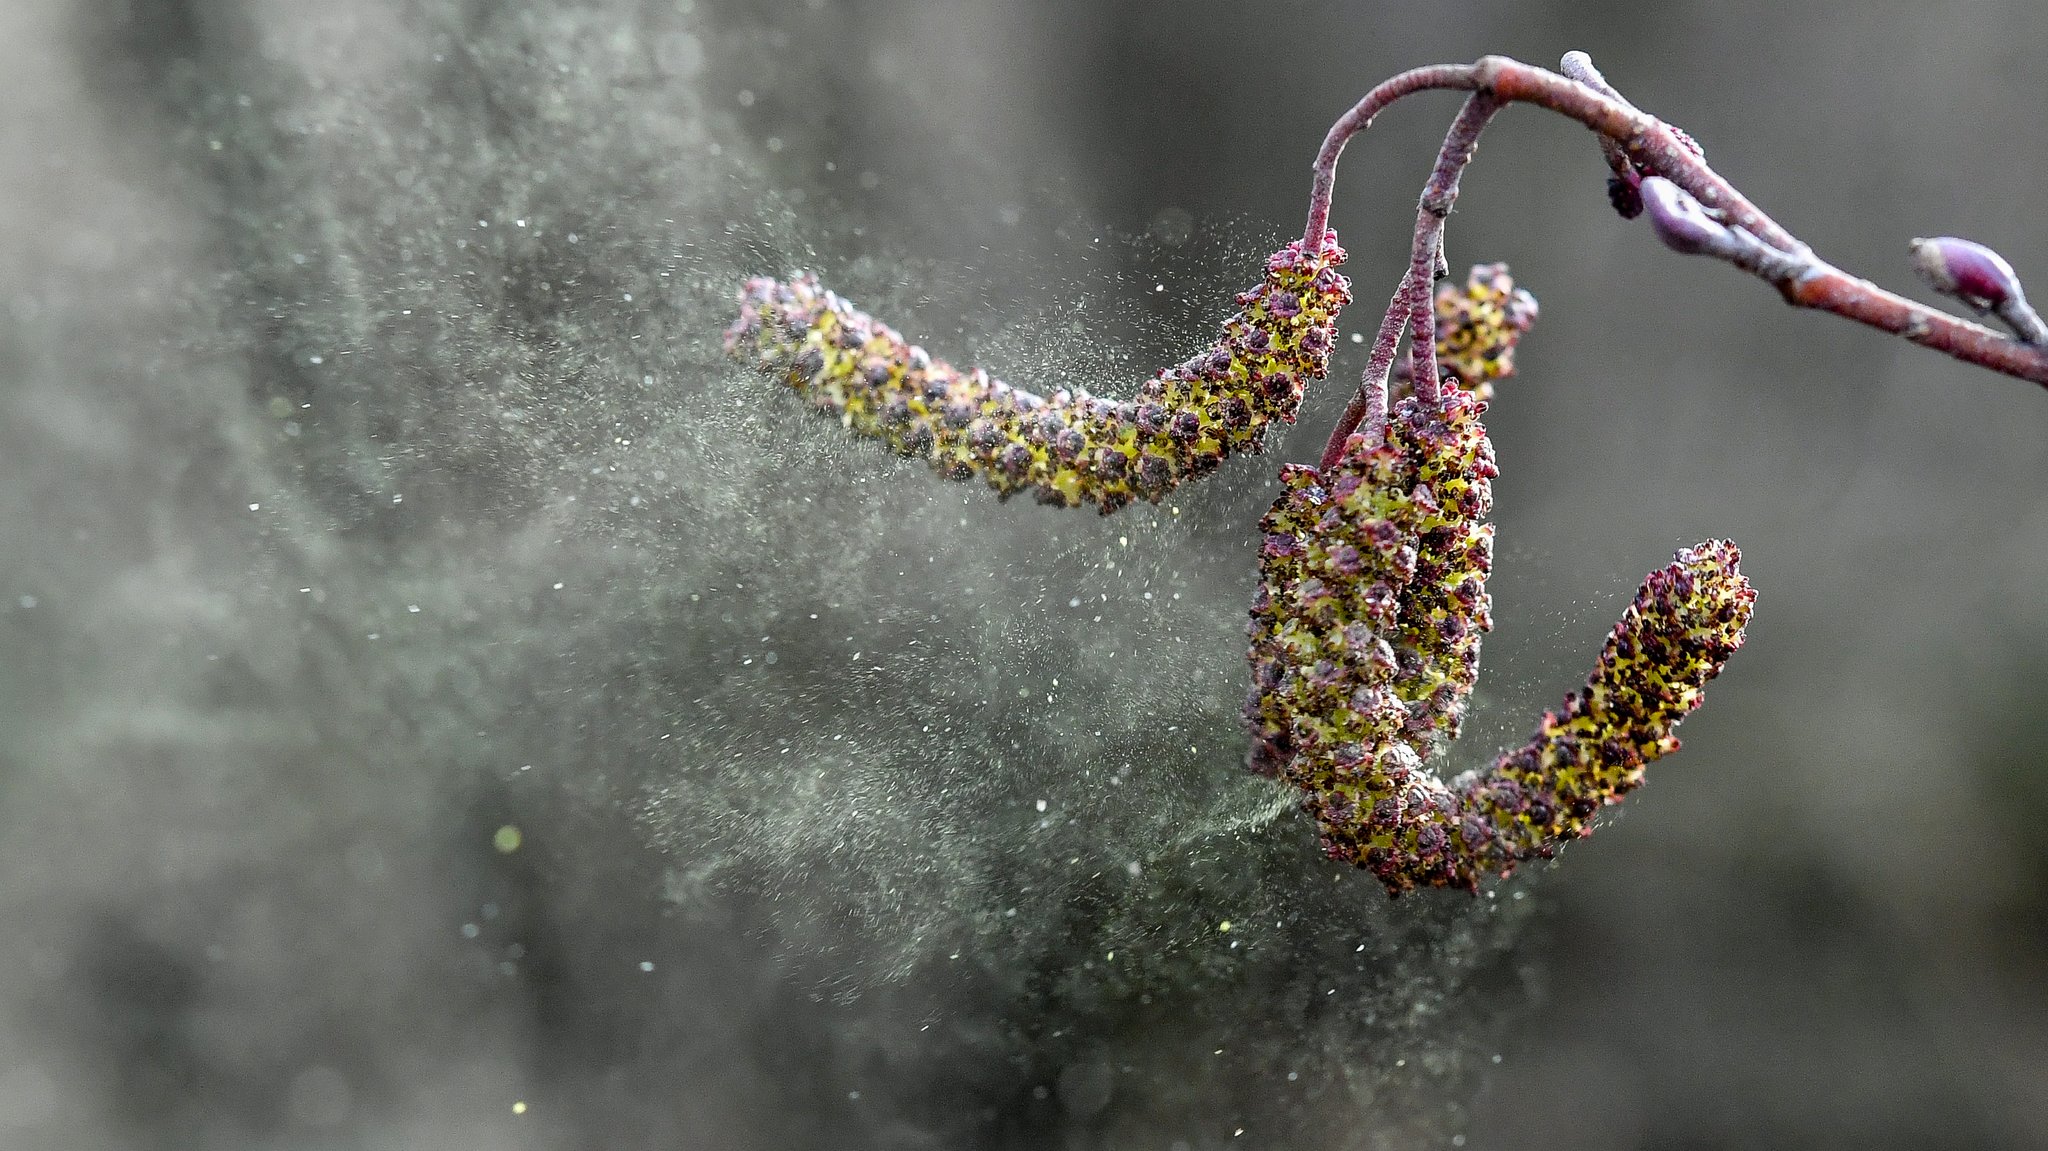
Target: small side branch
1359 118
1414 301
1426 256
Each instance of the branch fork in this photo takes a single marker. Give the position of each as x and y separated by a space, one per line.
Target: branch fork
1658 168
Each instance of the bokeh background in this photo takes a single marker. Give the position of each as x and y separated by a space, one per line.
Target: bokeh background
444 704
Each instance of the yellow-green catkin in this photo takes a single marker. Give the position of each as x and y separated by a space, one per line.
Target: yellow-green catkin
1363 652
1685 622
1478 325
1445 609
1070 447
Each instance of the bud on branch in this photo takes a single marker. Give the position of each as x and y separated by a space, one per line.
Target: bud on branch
1981 279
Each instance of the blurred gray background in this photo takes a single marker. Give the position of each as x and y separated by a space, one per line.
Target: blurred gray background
372 486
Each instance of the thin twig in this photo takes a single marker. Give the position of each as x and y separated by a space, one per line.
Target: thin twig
1655 149
1438 196
1358 119
1579 66
1415 299
1368 407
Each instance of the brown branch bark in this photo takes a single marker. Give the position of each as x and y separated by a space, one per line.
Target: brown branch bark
1805 280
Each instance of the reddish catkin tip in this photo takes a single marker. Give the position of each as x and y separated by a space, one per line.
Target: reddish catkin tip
1625 193
1070 447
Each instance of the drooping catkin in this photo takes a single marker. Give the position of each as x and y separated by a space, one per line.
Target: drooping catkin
1363 652
1070 447
1685 622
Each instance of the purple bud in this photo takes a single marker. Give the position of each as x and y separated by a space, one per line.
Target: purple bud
1680 221
1966 270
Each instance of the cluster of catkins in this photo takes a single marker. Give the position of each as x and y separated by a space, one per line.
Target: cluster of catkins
1372 600
1365 646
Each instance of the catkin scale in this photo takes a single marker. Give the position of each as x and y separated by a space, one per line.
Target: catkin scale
1070 447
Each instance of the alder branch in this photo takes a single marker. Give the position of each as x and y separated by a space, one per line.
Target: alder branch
1657 149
